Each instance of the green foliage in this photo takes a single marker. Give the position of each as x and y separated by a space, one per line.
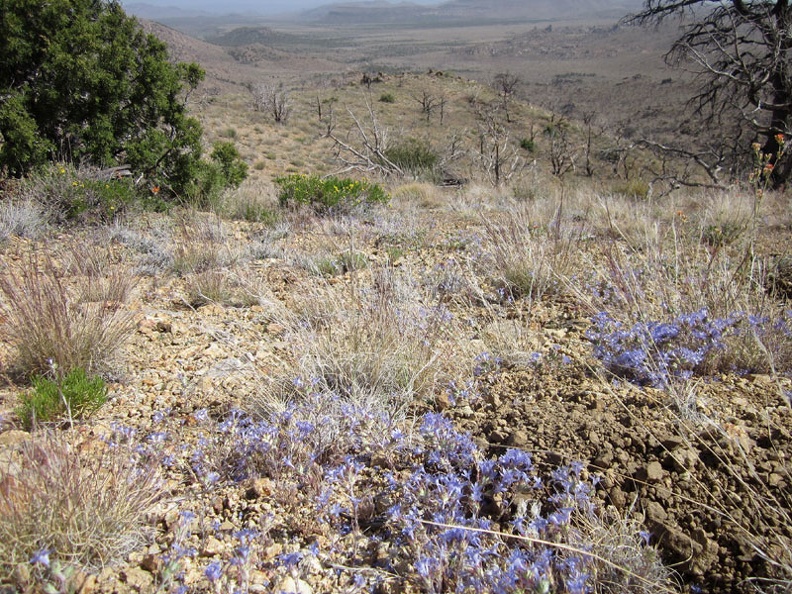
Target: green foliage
528 145
412 155
81 82
74 396
75 195
225 169
329 194
387 98
233 168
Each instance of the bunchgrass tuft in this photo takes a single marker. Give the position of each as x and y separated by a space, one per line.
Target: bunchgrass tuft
529 255
83 504
376 346
21 218
49 327
200 243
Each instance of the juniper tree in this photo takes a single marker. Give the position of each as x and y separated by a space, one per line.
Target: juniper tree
80 81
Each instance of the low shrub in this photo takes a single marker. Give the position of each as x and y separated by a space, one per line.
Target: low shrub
82 195
224 170
73 396
413 156
329 194
445 516
528 144
387 98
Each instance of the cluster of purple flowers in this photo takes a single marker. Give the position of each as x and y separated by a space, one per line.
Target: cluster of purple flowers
462 522
452 518
654 353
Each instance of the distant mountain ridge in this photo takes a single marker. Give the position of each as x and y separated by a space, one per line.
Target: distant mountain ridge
545 9
382 11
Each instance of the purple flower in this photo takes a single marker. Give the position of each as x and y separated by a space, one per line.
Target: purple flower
290 559
213 571
41 557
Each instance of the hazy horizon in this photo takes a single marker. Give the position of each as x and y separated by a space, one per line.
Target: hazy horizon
248 6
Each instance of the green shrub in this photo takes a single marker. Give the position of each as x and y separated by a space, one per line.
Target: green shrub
225 170
330 194
412 155
387 98
233 168
79 195
528 144
74 396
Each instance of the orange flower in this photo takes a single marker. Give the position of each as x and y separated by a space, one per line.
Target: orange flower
780 139
768 169
155 189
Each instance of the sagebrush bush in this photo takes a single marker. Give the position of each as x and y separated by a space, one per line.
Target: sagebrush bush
329 194
47 325
72 396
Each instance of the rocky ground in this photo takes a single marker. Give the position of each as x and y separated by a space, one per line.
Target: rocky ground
709 481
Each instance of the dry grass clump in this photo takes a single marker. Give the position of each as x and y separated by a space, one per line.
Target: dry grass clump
200 243
49 325
21 218
253 201
86 509
423 194
102 275
223 287
631 566
529 251
373 345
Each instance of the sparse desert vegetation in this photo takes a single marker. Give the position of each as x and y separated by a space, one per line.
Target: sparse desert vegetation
420 335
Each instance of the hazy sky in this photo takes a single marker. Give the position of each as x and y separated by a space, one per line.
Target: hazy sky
251 6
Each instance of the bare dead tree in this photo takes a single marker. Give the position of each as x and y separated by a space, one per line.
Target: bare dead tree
429 103
589 118
506 84
741 51
365 145
563 153
273 99
498 157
